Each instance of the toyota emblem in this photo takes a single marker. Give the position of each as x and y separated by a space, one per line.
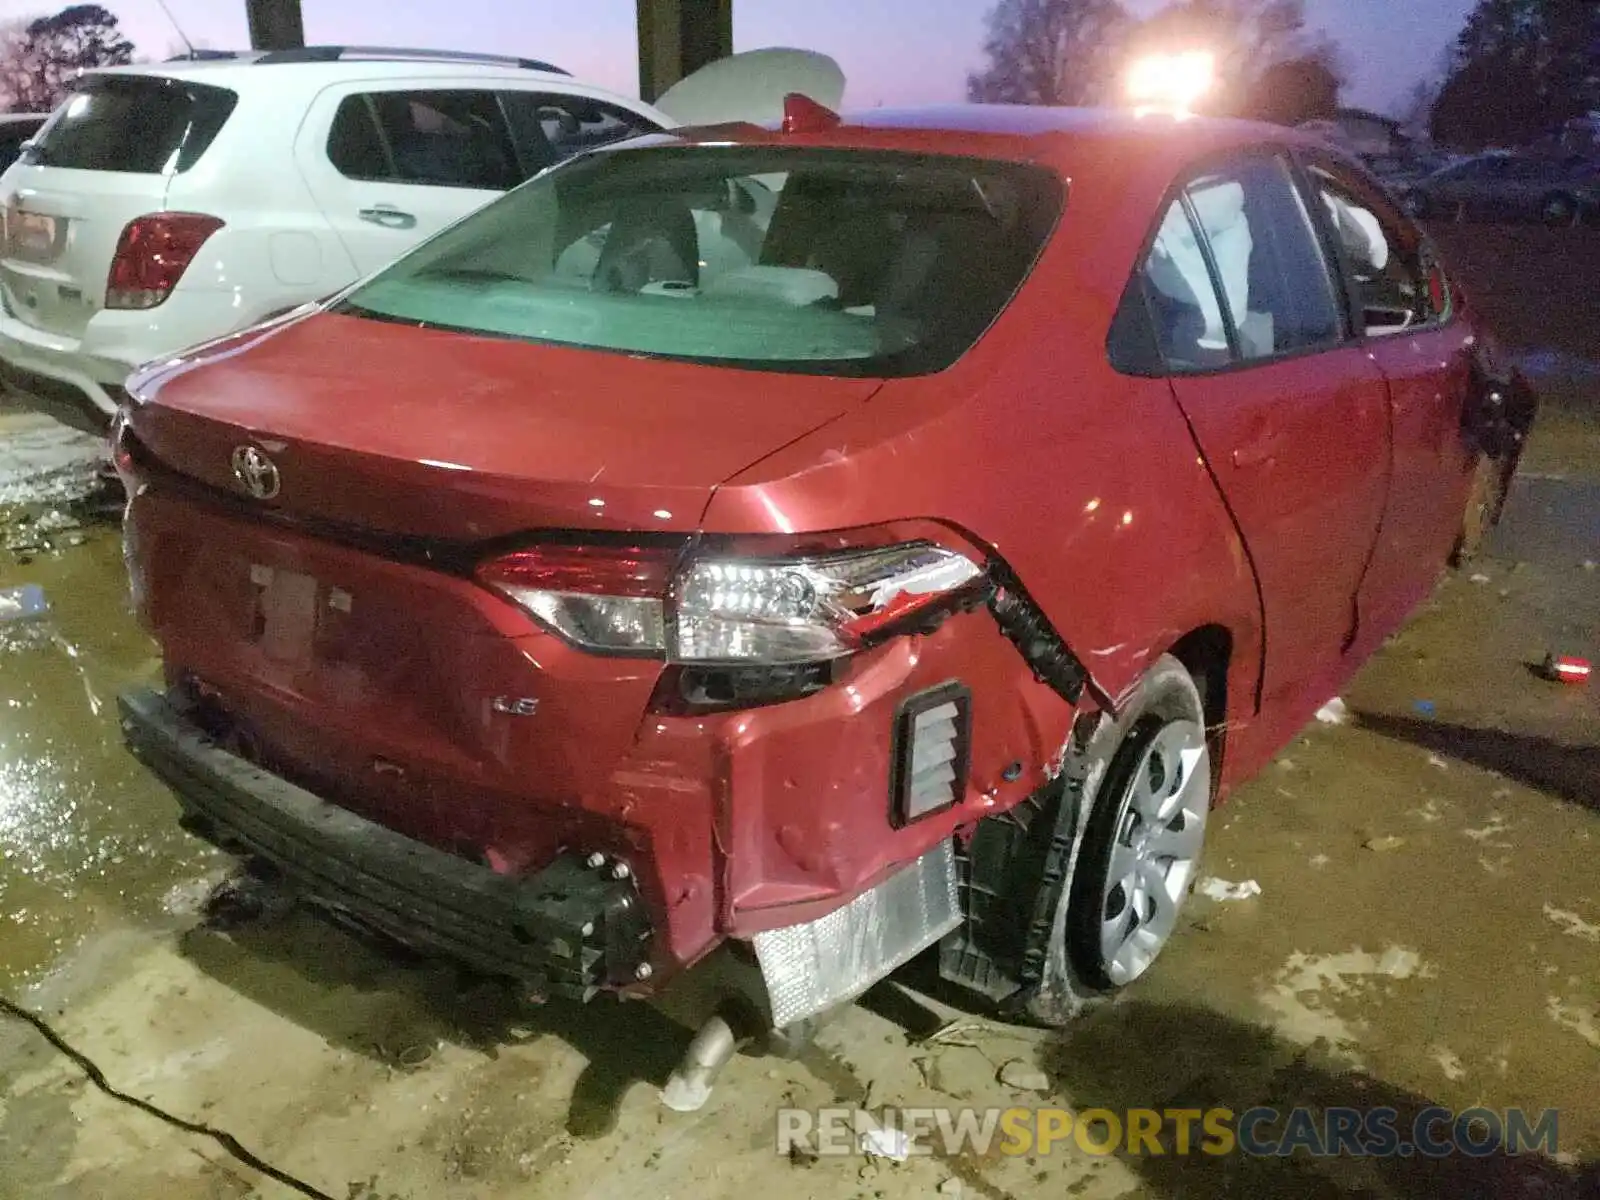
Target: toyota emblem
256 473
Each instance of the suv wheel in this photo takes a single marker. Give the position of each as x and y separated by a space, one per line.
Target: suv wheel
1147 789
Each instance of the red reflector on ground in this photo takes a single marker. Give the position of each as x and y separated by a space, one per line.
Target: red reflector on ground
1565 668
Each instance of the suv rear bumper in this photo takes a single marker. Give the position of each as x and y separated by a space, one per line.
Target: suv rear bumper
79 380
569 929
51 383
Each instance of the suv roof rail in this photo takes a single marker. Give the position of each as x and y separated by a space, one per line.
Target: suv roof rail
200 54
308 54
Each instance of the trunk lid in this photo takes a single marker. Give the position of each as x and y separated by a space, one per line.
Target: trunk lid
106 156
427 433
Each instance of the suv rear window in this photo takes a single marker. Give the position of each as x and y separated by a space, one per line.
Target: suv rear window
777 258
136 124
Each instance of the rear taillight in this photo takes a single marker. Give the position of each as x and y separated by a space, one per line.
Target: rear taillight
730 609
603 598
152 254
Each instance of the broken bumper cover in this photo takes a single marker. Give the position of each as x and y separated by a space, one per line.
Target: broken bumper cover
567 929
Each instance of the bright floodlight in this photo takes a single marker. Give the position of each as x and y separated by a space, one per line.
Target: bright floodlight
1173 81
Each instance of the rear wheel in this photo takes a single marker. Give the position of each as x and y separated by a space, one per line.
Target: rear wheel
1139 854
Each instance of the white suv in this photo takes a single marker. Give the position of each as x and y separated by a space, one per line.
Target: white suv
167 204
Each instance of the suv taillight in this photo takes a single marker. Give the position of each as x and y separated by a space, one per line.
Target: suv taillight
726 608
152 254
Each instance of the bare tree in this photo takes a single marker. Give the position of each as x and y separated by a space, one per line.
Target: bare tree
39 60
1415 112
1293 91
1050 52
14 76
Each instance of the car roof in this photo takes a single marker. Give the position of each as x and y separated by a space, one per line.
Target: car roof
1021 131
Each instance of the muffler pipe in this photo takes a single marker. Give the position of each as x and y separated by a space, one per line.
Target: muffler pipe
711 1049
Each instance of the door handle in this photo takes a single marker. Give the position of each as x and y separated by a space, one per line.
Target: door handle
389 218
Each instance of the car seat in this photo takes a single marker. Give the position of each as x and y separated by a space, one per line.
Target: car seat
649 242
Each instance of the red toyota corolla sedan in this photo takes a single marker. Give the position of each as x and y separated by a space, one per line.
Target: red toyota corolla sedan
819 542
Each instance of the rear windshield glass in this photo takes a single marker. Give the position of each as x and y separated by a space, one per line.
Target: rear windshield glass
824 261
136 124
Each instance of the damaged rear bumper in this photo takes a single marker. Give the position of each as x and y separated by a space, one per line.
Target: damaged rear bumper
571 929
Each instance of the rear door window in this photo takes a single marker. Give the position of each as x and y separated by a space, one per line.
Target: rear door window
549 128
438 138
1383 261
12 135
134 124
1235 271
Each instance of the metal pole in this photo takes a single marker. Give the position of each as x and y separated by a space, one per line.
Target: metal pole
678 37
275 24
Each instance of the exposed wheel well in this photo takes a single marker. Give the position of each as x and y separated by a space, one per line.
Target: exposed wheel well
1206 653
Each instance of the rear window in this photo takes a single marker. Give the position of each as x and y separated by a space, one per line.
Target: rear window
822 261
140 125
12 135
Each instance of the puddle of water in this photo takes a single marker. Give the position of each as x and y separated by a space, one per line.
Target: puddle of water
1299 997
87 838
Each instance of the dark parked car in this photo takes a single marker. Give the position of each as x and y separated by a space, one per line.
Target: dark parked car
16 128
1510 187
817 542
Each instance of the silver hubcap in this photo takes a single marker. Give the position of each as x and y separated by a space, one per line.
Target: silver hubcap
1161 825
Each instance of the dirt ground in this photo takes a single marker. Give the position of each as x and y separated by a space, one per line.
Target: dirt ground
1428 930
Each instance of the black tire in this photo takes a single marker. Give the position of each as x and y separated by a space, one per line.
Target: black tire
1072 978
1486 503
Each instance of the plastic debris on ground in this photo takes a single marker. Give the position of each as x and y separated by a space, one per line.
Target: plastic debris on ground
1566 668
893 1144
20 603
1333 712
1221 889
1391 842
1424 707
1024 1077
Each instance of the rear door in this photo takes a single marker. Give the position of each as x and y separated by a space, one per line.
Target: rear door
1289 413
1401 303
104 158
390 165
